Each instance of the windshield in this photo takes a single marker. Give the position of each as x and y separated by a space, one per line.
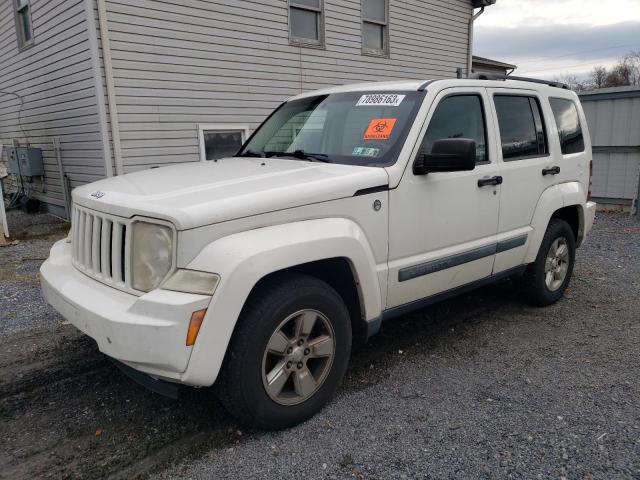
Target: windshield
354 128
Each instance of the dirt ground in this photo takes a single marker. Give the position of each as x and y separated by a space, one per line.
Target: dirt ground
477 387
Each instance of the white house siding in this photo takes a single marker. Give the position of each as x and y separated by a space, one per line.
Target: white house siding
613 116
55 80
180 64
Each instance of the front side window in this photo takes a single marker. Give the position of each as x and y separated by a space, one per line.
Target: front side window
459 116
306 22
568 123
521 127
24 28
375 27
353 128
220 141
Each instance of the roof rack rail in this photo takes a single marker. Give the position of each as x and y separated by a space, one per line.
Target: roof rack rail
424 85
486 76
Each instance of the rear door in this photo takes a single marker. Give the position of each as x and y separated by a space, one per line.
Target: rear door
525 167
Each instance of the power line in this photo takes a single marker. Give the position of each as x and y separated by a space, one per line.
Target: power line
591 63
577 53
21 100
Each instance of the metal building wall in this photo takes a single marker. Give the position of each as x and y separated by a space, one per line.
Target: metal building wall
613 115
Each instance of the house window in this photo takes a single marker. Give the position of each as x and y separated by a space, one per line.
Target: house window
375 27
306 22
220 141
24 28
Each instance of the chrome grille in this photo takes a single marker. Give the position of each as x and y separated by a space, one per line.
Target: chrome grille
100 246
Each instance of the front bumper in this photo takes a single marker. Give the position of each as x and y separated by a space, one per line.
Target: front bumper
147 333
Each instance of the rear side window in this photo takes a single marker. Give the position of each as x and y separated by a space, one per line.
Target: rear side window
521 127
568 122
459 116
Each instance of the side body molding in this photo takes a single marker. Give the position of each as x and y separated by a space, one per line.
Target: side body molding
244 258
552 199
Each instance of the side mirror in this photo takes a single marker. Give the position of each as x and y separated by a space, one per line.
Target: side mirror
447 155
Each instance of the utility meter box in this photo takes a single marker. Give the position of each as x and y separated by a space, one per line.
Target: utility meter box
25 161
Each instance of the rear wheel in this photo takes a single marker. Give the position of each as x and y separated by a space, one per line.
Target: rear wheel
288 355
548 277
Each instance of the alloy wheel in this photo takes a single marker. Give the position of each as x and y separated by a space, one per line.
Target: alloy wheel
556 264
298 357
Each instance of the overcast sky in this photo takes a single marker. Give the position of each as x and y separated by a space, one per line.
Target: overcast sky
546 38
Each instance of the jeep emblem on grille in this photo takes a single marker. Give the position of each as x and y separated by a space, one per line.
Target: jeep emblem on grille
98 194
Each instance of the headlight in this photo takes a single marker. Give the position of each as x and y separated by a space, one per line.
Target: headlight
152 254
192 281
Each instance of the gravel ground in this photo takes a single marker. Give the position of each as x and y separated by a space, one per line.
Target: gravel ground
22 306
477 387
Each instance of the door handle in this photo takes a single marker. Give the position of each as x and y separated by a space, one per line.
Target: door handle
551 171
485 182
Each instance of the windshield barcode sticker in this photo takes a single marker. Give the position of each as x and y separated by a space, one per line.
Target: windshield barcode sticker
380 100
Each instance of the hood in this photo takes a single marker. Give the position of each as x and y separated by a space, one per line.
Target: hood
195 194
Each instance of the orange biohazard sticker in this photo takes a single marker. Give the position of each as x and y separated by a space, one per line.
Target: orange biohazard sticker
380 129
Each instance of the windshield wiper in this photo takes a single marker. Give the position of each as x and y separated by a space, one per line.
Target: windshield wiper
302 155
251 153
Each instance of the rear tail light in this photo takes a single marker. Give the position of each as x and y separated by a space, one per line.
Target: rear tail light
590 180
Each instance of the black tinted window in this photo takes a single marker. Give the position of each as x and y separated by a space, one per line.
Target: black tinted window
458 117
569 130
521 127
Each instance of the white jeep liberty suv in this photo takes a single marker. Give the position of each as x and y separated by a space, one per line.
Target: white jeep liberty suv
348 206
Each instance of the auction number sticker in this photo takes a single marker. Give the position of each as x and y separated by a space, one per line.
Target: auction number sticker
380 129
380 100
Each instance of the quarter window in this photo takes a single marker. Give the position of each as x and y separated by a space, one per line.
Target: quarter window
521 127
220 141
24 28
460 116
306 22
568 123
375 27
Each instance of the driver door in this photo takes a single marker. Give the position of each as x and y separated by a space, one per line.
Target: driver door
443 226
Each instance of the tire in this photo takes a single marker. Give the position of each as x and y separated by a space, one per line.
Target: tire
247 386
536 284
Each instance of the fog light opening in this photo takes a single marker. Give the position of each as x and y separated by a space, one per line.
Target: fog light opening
194 326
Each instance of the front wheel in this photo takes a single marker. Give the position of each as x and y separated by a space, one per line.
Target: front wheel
548 277
288 355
